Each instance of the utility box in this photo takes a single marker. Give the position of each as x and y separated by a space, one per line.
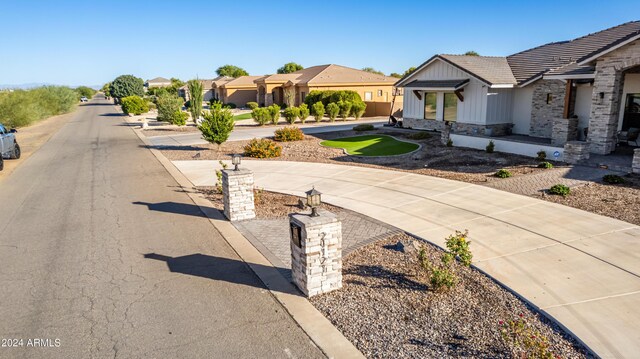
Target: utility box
316 252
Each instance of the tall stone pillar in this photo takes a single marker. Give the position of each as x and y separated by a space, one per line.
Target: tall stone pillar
237 190
316 252
635 166
605 104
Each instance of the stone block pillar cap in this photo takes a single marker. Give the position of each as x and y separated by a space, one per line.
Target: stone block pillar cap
239 172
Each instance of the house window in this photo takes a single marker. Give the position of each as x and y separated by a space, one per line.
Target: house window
379 93
430 105
549 98
368 96
450 107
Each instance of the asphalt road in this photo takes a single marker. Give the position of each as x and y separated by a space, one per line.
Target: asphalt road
102 255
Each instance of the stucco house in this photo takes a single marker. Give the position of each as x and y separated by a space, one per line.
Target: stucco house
583 92
239 91
157 82
376 90
209 89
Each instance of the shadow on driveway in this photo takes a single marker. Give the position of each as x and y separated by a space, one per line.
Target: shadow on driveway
173 207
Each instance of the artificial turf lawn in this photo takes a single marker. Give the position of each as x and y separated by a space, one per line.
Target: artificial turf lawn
244 116
371 145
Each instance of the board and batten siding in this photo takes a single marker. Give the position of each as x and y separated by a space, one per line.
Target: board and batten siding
521 110
499 104
472 110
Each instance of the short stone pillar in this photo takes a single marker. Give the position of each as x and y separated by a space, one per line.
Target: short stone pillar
445 134
576 151
237 190
316 252
635 166
564 130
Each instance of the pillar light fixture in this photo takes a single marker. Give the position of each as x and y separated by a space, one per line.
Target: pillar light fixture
314 200
235 160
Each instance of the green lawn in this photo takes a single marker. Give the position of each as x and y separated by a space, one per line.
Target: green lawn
371 145
244 116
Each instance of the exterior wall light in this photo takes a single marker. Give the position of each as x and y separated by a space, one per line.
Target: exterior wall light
235 160
314 200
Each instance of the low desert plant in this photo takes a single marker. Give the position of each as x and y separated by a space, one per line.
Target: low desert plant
613 179
542 155
524 340
274 113
134 105
441 276
490 147
291 114
560 190
420 135
345 109
364 127
252 105
303 112
317 111
170 109
219 176
216 125
230 105
261 115
545 164
458 245
262 148
449 143
332 111
287 134
179 118
502 173
357 109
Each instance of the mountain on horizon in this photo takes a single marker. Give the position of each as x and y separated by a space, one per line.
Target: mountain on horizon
31 85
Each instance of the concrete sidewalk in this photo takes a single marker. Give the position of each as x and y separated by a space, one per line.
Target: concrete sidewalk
581 268
247 133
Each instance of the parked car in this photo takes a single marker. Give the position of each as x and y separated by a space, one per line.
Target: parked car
84 99
9 147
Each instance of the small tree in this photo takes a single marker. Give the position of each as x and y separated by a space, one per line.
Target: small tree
289 68
303 112
127 85
134 105
345 109
318 111
231 71
395 74
372 70
170 109
274 113
291 114
357 109
332 111
195 98
471 53
261 115
217 125
409 70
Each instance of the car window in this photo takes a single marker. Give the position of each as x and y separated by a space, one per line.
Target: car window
2 130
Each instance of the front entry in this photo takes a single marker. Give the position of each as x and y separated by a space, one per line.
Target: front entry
631 118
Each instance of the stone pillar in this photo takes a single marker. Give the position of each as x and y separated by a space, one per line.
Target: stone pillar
605 103
445 134
576 151
635 166
268 99
237 190
316 252
564 130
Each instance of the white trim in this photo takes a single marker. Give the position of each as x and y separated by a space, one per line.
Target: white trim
501 86
402 81
599 54
437 57
439 89
531 81
569 77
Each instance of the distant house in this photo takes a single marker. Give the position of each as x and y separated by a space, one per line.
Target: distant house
372 88
586 89
157 82
216 86
208 89
239 91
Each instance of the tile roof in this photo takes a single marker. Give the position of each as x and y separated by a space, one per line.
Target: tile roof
572 69
490 69
242 81
158 80
329 74
529 64
220 80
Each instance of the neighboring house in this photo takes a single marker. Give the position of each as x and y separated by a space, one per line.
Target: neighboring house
216 86
157 82
585 89
239 91
208 89
293 87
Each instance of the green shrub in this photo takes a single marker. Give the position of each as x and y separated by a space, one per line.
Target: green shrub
291 114
252 105
195 98
262 148
288 134
542 155
503 173
168 108
364 127
85 91
230 105
134 105
458 245
219 176
21 108
329 96
449 143
317 111
179 118
490 147
441 276
345 109
545 164
613 179
560 190
274 113
125 86
304 112
216 125
261 115
332 111
357 109
151 105
525 340
420 135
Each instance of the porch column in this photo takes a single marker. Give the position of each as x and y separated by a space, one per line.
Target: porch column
605 106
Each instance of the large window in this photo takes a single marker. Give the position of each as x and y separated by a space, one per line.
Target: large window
430 105
450 107
368 96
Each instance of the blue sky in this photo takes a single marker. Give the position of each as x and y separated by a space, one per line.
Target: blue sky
92 42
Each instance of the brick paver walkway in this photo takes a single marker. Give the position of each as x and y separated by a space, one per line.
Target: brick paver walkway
271 236
540 181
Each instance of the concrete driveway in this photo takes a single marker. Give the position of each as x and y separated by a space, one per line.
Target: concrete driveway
242 133
581 268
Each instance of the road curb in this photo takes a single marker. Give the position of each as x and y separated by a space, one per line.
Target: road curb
319 329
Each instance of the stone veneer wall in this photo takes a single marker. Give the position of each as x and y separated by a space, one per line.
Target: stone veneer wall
237 190
635 166
564 130
609 81
422 124
316 265
471 129
576 151
543 113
